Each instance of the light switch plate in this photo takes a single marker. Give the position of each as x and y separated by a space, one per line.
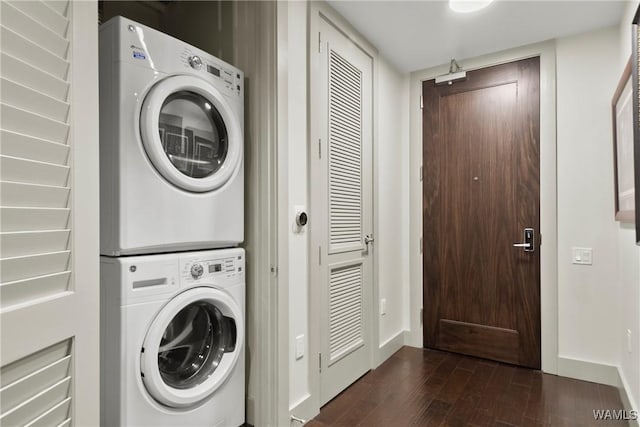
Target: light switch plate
299 347
582 256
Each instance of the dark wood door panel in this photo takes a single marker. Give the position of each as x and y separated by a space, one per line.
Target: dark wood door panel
481 189
470 338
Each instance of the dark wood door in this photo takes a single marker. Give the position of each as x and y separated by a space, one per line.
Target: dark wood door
481 189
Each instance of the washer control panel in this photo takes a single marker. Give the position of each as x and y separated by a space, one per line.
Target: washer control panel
202 268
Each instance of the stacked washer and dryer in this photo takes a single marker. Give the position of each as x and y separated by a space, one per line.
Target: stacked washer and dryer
172 214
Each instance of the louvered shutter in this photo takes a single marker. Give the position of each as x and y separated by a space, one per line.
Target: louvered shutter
345 153
346 328
48 307
36 390
34 154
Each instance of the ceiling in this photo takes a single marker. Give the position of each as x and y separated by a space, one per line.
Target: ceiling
420 34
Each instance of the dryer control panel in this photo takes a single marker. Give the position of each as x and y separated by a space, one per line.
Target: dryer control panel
213 68
195 269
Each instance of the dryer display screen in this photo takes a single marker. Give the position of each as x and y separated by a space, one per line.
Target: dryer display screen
215 268
213 70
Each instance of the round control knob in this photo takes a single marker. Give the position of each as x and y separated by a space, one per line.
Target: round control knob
196 271
195 62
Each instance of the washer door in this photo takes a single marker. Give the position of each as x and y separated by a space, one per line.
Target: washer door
191 347
190 133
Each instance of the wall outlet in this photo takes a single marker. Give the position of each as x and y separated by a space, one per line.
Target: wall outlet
629 340
383 306
582 256
299 347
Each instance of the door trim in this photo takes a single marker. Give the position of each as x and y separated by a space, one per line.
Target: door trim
548 192
266 329
320 10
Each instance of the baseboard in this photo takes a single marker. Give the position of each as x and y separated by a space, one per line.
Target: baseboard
389 347
599 373
408 340
303 410
626 396
588 371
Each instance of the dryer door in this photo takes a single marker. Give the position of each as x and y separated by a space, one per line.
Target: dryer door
191 347
190 133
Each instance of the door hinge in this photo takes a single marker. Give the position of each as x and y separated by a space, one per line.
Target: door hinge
421 173
540 239
319 255
421 316
319 148
421 245
320 362
319 42
421 103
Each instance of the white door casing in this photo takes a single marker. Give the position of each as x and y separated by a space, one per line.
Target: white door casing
49 211
341 201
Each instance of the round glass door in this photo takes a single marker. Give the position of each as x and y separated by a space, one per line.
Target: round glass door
190 133
193 344
191 347
193 134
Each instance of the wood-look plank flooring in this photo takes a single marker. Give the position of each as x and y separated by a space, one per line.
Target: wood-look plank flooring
419 387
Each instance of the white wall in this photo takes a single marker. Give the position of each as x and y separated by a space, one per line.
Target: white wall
390 204
391 200
588 296
628 265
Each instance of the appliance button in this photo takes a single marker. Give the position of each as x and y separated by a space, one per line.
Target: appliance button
195 62
196 271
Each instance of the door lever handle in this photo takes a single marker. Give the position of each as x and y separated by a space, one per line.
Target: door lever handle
529 241
368 239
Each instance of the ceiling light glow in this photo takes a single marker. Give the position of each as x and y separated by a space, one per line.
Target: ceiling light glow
466 6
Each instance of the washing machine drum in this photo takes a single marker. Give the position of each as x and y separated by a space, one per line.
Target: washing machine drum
191 347
190 133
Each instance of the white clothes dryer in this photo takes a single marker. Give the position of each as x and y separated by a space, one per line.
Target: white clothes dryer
172 339
171 144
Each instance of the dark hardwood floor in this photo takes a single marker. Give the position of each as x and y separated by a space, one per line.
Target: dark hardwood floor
417 387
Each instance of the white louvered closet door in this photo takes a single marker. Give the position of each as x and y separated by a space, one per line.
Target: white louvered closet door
49 211
342 189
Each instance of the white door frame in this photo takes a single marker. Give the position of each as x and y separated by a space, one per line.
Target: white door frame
255 32
548 192
317 11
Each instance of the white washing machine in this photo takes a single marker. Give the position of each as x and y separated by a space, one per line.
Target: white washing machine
172 339
171 144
